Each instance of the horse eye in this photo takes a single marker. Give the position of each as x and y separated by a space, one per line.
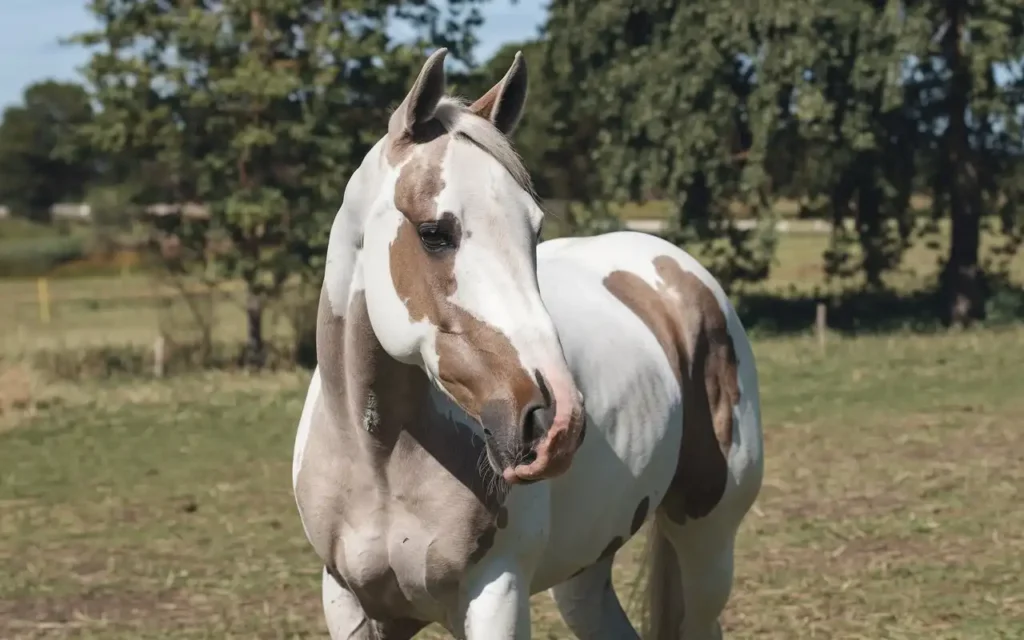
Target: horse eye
434 238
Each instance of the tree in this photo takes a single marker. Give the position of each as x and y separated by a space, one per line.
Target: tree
845 118
977 124
905 94
259 110
40 164
666 93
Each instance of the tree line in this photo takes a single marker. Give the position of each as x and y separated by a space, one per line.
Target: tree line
260 109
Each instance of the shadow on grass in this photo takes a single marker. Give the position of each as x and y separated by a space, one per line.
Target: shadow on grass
866 311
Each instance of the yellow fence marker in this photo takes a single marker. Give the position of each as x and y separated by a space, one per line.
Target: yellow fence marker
44 300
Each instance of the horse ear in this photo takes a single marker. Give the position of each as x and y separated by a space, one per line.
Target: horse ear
503 104
421 102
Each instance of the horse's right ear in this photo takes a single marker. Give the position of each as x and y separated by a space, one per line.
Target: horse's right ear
421 102
503 104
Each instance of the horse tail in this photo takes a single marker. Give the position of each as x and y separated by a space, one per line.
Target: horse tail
663 604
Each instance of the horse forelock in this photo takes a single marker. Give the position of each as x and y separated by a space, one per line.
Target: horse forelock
454 120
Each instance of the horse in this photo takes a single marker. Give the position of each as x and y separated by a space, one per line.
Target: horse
492 417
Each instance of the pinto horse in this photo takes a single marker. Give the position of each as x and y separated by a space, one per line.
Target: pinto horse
492 417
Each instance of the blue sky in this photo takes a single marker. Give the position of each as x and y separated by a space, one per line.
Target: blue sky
30 31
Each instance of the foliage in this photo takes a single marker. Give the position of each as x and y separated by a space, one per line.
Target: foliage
40 162
35 256
660 124
259 110
850 107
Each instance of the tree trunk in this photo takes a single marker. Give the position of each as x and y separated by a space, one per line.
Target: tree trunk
870 233
962 278
254 347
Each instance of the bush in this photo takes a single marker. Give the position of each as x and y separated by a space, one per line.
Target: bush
14 228
36 256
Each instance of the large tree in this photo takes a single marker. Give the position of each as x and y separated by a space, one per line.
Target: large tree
848 140
259 110
40 164
976 118
665 92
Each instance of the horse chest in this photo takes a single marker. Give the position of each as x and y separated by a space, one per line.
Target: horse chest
410 563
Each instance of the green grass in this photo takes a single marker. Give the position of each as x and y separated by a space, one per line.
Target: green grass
890 507
162 509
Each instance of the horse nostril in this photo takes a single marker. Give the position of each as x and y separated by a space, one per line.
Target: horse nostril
536 424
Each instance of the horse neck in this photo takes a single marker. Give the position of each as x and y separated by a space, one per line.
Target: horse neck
368 393
372 399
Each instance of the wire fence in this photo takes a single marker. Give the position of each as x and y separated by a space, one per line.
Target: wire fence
136 314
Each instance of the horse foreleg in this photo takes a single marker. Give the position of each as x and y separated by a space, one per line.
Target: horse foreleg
589 606
498 606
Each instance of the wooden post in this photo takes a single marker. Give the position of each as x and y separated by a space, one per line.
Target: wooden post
820 324
158 356
43 291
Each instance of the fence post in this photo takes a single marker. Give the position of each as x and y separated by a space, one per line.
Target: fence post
820 325
158 356
43 293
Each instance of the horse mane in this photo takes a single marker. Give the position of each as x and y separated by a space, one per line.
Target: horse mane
460 122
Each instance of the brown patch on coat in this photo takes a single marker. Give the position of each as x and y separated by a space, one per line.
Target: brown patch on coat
640 515
396 628
684 316
477 362
377 446
398 150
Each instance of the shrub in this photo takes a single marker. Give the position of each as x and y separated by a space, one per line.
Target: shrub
35 256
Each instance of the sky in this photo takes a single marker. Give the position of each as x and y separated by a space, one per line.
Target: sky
30 31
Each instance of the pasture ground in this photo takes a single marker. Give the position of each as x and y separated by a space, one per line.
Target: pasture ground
891 506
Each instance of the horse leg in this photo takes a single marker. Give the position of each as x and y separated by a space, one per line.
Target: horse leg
697 584
589 606
347 621
498 606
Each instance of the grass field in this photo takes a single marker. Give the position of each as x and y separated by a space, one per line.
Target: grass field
137 508
890 508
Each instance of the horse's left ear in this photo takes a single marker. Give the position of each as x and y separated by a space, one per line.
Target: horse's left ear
503 104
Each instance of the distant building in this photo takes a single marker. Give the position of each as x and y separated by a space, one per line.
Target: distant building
71 211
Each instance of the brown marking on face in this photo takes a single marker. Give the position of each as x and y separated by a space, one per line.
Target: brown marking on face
398 149
477 362
691 329
502 520
640 515
610 550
